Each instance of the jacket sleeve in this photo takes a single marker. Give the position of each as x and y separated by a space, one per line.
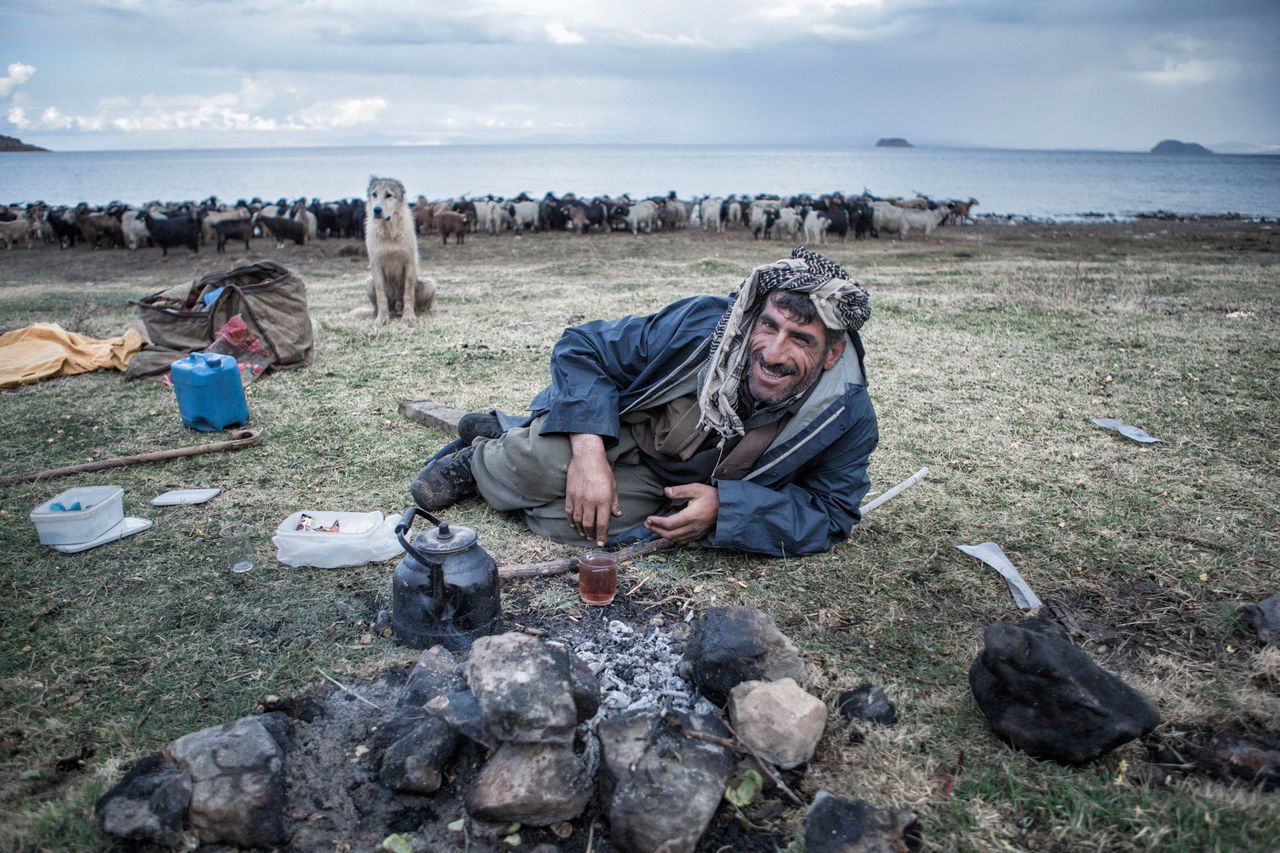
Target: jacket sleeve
811 513
593 364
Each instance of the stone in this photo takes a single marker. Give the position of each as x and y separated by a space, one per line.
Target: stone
415 763
585 687
536 784
1265 619
731 645
836 825
777 719
237 773
148 804
668 800
1044 695
867 702
461 712
434 673
523 688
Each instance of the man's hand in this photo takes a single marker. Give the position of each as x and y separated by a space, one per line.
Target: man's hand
591 492
695 520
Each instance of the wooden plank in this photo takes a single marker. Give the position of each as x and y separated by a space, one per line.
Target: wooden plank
429 413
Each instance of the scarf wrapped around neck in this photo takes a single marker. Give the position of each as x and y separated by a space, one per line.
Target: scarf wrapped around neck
840 303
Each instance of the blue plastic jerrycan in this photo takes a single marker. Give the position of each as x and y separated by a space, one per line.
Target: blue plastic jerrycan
210 394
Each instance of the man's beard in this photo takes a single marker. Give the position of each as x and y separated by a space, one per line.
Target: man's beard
769 396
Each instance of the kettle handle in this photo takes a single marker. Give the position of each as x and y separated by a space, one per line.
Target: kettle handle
406 521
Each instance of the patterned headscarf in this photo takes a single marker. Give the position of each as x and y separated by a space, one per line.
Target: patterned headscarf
841 304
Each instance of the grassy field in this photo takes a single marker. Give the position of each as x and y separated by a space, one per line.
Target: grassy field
989 350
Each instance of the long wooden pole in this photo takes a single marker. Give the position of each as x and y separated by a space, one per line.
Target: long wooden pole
240 439
569 564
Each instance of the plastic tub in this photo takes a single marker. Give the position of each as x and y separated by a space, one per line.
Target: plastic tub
102 508
362 537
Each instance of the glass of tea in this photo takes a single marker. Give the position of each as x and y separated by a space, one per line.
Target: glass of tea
598 577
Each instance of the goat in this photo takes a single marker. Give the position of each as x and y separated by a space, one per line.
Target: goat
20 230
815 224
173 231
788 223
240 229
710 210
643 215
960 210
282 229
524 214
452 222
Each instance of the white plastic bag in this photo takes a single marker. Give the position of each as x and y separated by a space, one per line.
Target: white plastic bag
362 537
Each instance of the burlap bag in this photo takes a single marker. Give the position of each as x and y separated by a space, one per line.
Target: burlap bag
271 299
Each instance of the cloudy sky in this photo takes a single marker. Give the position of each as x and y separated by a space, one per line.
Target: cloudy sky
1091 74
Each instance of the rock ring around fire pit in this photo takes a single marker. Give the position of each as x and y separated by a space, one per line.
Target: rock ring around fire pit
524 730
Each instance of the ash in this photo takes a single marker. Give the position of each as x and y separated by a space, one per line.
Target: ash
639 670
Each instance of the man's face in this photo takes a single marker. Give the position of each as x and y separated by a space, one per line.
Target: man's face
787 357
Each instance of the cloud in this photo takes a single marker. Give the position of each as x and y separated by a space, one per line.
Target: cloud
326 115
219 112
19 73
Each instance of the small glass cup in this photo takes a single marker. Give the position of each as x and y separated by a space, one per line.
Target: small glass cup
237 547
598 577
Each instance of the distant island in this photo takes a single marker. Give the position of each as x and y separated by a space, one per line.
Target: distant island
893 142
9 143
1174 146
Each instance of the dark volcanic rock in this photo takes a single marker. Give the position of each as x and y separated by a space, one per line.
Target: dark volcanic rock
731 645
669 798
462 713
536 784
416 762
524 689
1047 697
1265 619
434 673
148 804
835 825
585 687
238 781
867 702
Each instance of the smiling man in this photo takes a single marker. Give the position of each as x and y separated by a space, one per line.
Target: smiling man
735 423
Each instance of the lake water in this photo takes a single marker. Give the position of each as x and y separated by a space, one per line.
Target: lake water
1052 184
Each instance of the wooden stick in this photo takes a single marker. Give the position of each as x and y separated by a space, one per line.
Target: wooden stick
569 564
896 490
240 439
345 689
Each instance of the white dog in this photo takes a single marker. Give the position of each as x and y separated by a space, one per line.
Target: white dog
395 288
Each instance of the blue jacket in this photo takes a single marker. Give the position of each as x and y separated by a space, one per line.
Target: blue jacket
803 493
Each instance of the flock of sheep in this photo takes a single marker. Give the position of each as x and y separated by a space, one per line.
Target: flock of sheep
190 224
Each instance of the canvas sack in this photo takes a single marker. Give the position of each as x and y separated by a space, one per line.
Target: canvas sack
271 300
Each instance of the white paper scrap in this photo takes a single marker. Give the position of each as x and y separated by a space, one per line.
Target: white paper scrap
990 553
1132 432
185 497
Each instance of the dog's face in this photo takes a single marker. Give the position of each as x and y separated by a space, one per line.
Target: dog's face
386 197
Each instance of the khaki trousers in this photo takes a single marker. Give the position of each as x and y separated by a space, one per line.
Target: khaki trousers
526 471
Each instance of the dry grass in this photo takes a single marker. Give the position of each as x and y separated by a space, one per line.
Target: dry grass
990 348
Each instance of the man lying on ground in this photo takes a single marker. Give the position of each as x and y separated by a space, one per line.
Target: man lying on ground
736 423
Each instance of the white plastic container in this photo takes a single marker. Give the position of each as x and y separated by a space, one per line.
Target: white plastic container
102 509
362 537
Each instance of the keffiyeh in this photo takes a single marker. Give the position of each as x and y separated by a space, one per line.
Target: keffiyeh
840 303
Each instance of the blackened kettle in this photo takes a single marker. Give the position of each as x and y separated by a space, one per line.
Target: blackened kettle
445 590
